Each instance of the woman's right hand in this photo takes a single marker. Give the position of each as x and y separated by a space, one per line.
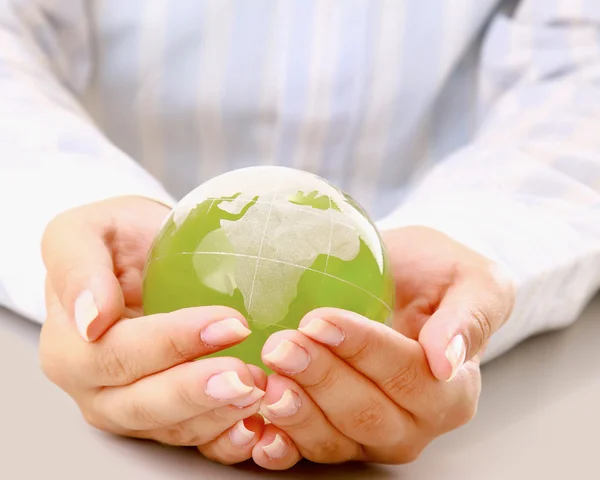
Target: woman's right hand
134 375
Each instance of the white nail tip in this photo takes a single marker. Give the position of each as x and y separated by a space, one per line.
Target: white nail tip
286 406
227 386
224 332
456 354
276 449
323 331
86 312
240 435
281 352
256 395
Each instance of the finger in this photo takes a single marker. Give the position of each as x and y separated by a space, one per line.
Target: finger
275 450
351 402
259 376
286 406
138 347
236 444
397 365
202 429
175 395
81 272
470 313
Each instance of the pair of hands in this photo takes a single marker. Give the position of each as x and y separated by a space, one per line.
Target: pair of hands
345 388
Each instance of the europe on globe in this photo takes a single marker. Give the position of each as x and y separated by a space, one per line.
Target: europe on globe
273 243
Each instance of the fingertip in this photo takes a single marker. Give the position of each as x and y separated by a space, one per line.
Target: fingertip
259 376
275 450
436 343
98 306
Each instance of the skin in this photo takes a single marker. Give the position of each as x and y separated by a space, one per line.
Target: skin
359 390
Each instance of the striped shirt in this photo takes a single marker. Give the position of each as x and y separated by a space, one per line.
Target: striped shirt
480 118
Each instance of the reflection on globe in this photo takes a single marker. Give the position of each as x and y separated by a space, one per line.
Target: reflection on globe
273 243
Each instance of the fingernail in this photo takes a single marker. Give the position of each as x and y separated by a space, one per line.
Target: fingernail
456 353
226 386
323 332
276 449
224 332
240 435
86 311
256 395
289 357
286 406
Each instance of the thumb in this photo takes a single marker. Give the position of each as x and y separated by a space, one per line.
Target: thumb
80 271
461 327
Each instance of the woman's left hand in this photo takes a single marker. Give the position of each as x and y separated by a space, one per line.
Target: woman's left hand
347 388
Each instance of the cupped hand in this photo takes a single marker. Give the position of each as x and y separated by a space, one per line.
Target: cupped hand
347 388
134 375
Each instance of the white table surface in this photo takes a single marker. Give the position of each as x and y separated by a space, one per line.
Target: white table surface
538 419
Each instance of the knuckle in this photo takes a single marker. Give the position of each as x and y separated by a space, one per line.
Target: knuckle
325 381
188 396
403 383
94 420
399 453
217 453
178 350
408 454
139 415
363 351
182 436
463 413
369 420
482 327
331 451
113 367
52 363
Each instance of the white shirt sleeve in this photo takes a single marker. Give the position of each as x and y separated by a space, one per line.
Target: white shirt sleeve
52 156
526 192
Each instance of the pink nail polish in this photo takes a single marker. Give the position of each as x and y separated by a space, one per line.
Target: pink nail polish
86 311
323 332
276 449
227 386
251 399
456 353
286 406
240 435
289 357
224 332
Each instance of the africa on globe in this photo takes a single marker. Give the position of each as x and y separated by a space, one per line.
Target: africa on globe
273 243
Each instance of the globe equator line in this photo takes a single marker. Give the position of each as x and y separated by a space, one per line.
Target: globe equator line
283 262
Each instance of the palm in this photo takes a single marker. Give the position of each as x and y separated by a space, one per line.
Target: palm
129 235
424 263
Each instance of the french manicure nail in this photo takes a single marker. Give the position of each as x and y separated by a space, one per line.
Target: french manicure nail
224 332
227 386
276 449
456 354
289 357
286 406
256 395
86 311
323 332
240 435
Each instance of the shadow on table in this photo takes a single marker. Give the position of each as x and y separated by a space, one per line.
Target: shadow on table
190 463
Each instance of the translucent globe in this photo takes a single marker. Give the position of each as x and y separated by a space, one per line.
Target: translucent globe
273 243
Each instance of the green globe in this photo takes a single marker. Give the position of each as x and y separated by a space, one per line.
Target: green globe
273 243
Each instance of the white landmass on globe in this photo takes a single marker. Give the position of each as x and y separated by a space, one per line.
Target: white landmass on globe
270 183
268 249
